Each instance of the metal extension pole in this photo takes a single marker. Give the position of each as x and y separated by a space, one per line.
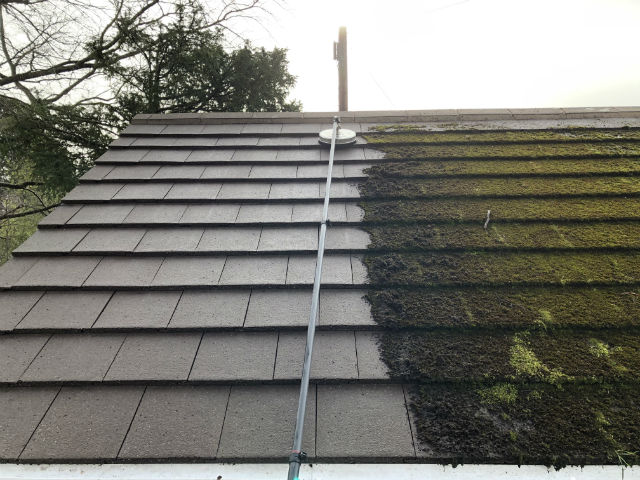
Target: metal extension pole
297 455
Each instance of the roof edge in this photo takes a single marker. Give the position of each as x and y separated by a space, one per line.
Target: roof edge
390 116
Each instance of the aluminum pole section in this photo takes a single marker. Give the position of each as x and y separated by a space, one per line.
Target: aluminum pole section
297 455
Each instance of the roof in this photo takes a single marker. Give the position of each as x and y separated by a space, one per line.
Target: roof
160 312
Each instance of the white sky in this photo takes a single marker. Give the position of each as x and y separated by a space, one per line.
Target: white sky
411 54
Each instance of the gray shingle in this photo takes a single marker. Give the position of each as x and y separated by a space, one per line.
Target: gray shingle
227 171
211 309
159 141
363 421
264 213
182 129
74 357
143 191
100 214
355 170
156 214
231 128
242 191
166 155
194 191
229 239
93 191
59 271
260 421
359 270
259 155
334 356
354 213
97 173
132 172
236 356
210 214
298 155
139 310
135 129
344 307
242 141
279 141
288 238
341 189
60 215
261 128
312 212
155 356
343 238
336 269
170 240
352 153
273 171
122 156
124 272
16 353
218 155
370 364
14 306
278 308
86 423
14 269
52 241
320 171
183 271
66 310
254 270
288 190
373 154
110 240
180 172
177 422
198 142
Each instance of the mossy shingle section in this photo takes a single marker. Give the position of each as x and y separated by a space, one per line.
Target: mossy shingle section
521 337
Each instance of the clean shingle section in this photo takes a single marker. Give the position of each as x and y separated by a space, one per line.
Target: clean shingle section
363 421
229 239
143 214
87 423
259 155
66 310
133 172
218 155
370 364
242 191
16 353
14 306
347 238
177 422
93 191
52 241
273 171
15 268
320 171
278 308
124 272
288 238
236 356
155 356
97 173
139 310
100 214
334 356
336 269
290 191
260 422
227 171
59 271
21 410
298 155
344 307
194 191
180 172
210 214
341 190
178 271
170 240
60 215
110 240
211 309
166 155
265 213
255 271
312 212
74 357
359 270
354 213
143 191
122 156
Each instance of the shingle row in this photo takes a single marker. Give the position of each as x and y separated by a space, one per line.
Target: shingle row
199 140
273 129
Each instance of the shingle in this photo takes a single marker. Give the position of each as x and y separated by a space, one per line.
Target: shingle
16 353
303 128
334 356
273 171
59 271
198 142
170 240
294 190
240 141
235 356
124 272
180 172
359 270
341 189
354 213
87 423
142 129
230 128
60 215
14 269
347 238
298 155
353 170
139 310
177 422
229 239
362 421
166 155
210 214
110 240
52 241
261 128
93 191
353 153
259 155
344 307
14 306
336 269
66 310
370 364
211 309
155 356
218 155
194 191
159 141
97 173
182 129
278 308
74 357
133 172
264 213
260 422
179 271
100 214
143 191
156 214
21 410
254 270
122 142
129 155
227 171
279 141
320 171
373 154
312 212
242 191
288 238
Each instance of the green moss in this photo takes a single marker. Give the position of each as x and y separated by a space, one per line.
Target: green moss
499 393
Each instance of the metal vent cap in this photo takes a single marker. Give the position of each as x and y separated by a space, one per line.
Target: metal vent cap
344 136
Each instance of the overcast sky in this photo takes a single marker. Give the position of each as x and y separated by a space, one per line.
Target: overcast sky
423 54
